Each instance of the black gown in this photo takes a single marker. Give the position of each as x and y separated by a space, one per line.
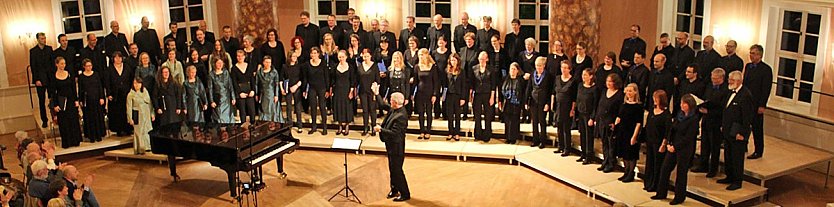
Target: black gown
606 113
658 127
630 115
63 95
167 97
342 83
118 86
91 91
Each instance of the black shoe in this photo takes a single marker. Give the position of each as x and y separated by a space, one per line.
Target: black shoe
44 125
725 181
734 186
581 159
565 154
558 151
401 198
657 197
324 132
608 170
541 146
365 132
621 178
339 132
676 202
392 194
699 170
311 132
711 174
534 144
754 156
373 134
628 179
600 168
586 162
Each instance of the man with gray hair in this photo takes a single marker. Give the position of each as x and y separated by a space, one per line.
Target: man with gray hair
39 186
758 76
115 41
435 32
711 137
735 126
392 132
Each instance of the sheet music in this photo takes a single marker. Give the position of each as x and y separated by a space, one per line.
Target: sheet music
346 143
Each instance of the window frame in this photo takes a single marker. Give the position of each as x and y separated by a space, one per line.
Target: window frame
316 18
537 23
773 11
450 20
208 16
693 38
107 13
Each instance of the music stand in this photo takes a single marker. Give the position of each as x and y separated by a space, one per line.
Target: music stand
345 145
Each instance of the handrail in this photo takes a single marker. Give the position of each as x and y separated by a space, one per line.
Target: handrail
812 118
29 83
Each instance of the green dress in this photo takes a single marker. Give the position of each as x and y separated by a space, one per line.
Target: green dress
221 93
141 102
268 90
194 99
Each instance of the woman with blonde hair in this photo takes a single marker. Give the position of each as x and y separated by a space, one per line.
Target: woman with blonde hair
399 77
428 87
628 124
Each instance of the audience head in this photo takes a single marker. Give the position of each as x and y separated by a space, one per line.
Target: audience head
58 188
717 76
756 52
731 47
56 202
39 169
735 80
659 61
21 135
70 172
660 99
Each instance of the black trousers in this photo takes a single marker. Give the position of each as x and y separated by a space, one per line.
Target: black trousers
453 110
539 123
438 110
296 107
316 98
423 107
758 133
734 158
609 159
563 125
710 144
654 160
42 103
369 109
512 121
586 135
397 176
246 108
681 158
483 111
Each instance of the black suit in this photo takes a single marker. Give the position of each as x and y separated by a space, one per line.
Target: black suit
461 30
433 34
393 134
738 115
711 136
376 37
631 46
337 32
42 65
707 61
405 34
731 63
758 78
310 35
668 51
514 43
178 38
115 42
148 41
683 136
484 38
71 56
683 57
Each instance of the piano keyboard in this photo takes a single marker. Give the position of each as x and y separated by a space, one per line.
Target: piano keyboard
272 153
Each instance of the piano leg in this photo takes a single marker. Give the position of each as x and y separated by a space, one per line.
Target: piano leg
172 166
232 183
280 162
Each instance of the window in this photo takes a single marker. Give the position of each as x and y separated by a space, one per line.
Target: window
534 15
80 17
424 11
689 18
798 41
332 7
187 14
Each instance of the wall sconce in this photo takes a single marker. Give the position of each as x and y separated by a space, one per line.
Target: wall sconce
25 38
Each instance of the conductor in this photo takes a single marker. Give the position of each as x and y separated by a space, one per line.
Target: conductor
392 132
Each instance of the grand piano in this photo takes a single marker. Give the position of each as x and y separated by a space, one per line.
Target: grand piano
245 148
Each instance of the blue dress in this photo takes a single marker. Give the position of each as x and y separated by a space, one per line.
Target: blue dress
268 83
221 93
194 99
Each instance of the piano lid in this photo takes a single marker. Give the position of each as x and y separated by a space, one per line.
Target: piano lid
239 136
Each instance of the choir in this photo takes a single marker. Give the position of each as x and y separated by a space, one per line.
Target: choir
329 71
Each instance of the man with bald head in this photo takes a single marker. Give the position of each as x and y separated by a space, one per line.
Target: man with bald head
95 53
464 28
147 40
731 62
115 41
70 175
392 132
707 59
660 79
435 32
684 55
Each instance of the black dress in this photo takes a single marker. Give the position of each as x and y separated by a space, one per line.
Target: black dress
565 93
658 127
366 77
91 91
630 115
606 113
343 82
168 98
578 66
64 96
118 86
